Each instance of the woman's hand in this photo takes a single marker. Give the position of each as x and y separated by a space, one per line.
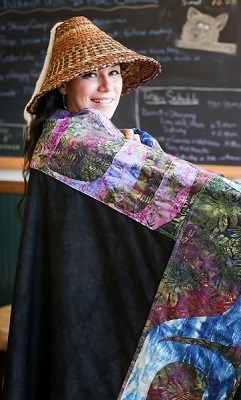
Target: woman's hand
129 134
142 137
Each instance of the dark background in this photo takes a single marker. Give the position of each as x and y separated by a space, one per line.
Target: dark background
193 108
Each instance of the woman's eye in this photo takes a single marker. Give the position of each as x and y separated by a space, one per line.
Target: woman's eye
89 75
114 72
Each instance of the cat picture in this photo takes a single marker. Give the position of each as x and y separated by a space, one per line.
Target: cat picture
201 31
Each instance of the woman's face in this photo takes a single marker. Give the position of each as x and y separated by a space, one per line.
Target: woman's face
96 89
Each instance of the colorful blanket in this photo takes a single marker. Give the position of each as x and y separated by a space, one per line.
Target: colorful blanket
191 342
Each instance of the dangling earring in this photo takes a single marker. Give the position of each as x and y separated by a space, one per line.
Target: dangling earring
64 104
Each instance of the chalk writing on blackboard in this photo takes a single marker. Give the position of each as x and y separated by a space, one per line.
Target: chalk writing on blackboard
34 6
11 138
201 125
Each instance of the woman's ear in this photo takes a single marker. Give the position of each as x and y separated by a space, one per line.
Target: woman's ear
62 88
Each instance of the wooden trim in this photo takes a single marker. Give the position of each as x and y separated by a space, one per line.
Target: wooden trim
18 187
11 187
230 172
11 162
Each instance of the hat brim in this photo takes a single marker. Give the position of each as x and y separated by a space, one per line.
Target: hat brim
76 47
135 72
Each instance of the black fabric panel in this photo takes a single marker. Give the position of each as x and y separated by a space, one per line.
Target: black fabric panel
85 282
238 394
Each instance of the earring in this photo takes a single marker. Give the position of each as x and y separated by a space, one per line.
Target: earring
64 104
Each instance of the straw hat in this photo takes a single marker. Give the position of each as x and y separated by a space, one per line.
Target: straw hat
77 46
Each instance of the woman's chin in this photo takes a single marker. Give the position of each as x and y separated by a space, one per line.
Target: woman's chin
108 112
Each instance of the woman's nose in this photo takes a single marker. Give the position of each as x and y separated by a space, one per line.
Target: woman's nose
105 84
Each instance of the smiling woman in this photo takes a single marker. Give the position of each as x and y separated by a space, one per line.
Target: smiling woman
99 89
84 68
84 74
128 283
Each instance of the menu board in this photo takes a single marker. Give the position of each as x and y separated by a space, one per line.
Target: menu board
193 107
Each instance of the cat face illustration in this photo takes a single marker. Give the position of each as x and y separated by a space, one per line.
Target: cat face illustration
202 28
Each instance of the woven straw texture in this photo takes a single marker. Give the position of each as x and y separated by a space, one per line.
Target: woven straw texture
80 46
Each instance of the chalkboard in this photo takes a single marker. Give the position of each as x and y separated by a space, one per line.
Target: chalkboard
193 108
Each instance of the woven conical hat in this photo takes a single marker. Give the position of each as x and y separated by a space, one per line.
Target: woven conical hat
78 46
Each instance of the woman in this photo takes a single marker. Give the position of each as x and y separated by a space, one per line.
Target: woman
126 284
82 61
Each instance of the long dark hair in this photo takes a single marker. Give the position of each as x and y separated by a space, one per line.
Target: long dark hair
46 106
